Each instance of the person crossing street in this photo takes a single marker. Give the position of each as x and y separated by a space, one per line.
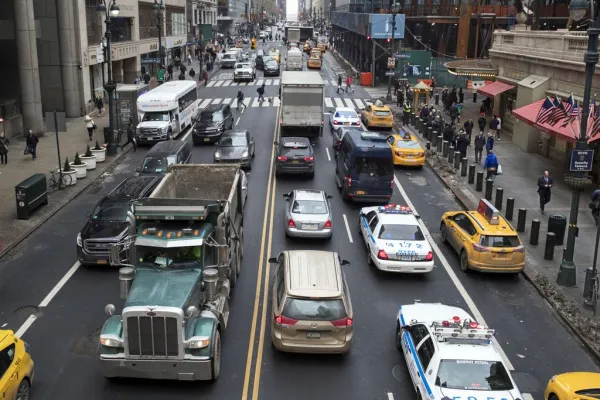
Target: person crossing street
240 100
261 93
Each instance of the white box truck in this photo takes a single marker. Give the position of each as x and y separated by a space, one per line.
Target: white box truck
301 110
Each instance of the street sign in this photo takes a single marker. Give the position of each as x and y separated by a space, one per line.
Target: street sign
390 73
402 55
161 75
391 62
581 160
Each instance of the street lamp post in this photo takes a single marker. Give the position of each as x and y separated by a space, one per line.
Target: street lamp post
395 9
159 9
578 180
111 10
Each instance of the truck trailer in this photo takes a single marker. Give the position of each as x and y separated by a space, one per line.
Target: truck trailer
185 251
301 111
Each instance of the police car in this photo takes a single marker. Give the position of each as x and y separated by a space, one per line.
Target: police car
394 239
450 356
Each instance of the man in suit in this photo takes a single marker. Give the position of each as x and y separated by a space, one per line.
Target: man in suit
544 183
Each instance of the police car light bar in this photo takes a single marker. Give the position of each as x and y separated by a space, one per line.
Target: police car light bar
395 209
444 334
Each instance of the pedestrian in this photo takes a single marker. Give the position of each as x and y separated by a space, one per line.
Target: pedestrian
444 95
461 96
189 57
130 136
482 122
453 111
406 114
448 134
595 205
192 73
261 93
339 83
170 71
498 127
396 86
31 145
399 98
4 142
544 190
147 78
349 84
90 125
182 68
491 165
205 77
240 99
462 143
459 108
480 143
468 126
99 106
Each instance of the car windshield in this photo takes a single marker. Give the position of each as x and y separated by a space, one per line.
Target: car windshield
309 207
170 258
228 56
292 148
155 164
379 113
407 144
156 116
233 141
110 211
266 59
401 232
345 114
473 375
500 241
271 63
314 309
211 116
242 65
376 166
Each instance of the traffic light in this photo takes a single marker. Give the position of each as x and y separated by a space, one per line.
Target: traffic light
369 37
389 40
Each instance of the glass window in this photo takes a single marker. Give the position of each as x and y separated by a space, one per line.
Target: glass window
309 207
94 22
473 375
373 223
110 211
500 241
188 99
154 164
591 392
425 353
401 232
280 283
346 114
157 116
408 144
377 166
147 21
467 226
170 258
211 116
120 29
233 141
7 355
418 333
382 113
314 309
175 21
209 255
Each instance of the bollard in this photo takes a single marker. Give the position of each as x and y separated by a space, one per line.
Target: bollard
421 126
456 159
450 154
479 182
463 167
549 248
413 119
429 133
521 219
428 145
534 235
489 185
439 144
510 207
445 145
437 99
499 198
434 139
472 173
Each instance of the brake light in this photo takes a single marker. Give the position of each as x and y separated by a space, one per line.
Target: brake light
357 123
283 320
291 223
328 224
445 324
456 320
429 256
321 122
520 249
340 323
421 154
348 181
392 184
281 158
281 121
382 255
480 249
335 122
309 158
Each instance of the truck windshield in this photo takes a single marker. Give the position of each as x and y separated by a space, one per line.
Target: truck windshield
156 116
171 258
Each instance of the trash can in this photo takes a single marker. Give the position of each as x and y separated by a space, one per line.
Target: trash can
30 194
558 225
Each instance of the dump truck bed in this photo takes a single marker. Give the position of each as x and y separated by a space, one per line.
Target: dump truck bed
198 181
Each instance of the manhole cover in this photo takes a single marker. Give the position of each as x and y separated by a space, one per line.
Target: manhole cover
25 311
86 345
400 372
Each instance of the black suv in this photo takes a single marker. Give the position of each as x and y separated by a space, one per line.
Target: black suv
295 156
108 224
211 123
271 68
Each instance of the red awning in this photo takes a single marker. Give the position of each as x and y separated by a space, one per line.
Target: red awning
494 88
529 113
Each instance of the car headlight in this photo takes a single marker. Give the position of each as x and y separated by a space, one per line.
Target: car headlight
245 154
165 129
110 341
217 154
79 240
198 342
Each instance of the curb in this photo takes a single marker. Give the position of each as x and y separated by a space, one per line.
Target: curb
529 274
67 200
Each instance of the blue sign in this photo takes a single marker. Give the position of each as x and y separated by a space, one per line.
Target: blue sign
581 160
381 26
150 60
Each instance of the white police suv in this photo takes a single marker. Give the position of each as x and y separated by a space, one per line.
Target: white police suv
450 356
394 239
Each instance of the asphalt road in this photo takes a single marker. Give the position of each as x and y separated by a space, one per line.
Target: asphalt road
64 332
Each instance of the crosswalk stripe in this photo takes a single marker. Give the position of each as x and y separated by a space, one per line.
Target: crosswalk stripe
256 102
247 102
242 83
219 83
211 83
276 102
338 102
268 81
275 81
328 102
359 103
349 103
267 103
527 396
229 83
260 82
333 83
227 101
205 103
216 101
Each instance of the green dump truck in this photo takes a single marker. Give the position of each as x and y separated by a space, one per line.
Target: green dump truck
185 253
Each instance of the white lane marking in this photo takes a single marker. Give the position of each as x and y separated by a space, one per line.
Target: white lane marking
227 101
359 103
266 102
275 81
328 102
347 228
211 83
457 283
260 82
238 120
328 156
276 101
217 101
390 396
256 103
247 102
349 103
31 319
332 82
527 396
339 102
268 81
219 83
226 83
242 83
205 103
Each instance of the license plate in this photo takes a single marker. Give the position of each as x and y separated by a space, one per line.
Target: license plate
101 262
406 258
360 192
310 227
313 335
206 139
295 162
346 123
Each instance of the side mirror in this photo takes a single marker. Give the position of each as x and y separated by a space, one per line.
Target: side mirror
273 260
109 309
137 170
286 196
329 196
405 327
192 311
345 263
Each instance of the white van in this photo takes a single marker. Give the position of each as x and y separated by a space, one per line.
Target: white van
230 58
166 111
294 60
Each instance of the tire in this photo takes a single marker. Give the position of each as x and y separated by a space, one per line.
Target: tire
216 358
369 258
464 261
345 196
24 390
444 234
398 336
241 241
311 175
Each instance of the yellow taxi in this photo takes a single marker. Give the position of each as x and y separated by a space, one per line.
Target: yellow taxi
16 368
275 54
406 150
239 43
308 46
377 115
314 62
484 240
316 53
573 386
322 47
253 45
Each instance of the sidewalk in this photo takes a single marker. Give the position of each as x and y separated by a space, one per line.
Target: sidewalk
519 181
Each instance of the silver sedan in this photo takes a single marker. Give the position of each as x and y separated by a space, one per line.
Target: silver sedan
308 214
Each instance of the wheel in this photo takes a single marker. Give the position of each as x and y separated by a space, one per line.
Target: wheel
464 261
216 359
553 397
249 167
398 336
444 233
369 258
345 196
241 241
23 391
359 224
311 175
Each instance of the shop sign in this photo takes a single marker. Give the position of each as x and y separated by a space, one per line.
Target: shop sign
175 41
99 54
581 160
128 8
391 62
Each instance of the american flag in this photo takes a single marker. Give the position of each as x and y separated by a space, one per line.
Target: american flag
545 112
570 104
559 112
595 116
572 110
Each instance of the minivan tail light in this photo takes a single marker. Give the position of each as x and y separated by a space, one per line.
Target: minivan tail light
348 181
340 323
283 320
281 158
328 224
357 123
429 256
382 255
291 223
480 249
309 158
519 249
392 183
335 122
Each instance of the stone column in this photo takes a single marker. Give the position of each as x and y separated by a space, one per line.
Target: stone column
118 71
29 74
67 39
130 69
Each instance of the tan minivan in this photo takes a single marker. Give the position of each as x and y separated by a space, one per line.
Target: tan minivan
312 311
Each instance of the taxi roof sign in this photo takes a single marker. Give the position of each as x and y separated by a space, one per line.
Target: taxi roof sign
489 212
395 209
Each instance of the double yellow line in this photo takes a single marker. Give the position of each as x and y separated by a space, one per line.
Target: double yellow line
263 265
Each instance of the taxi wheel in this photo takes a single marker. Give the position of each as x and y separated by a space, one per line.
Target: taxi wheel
23 391
464 261
553 397
444 233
